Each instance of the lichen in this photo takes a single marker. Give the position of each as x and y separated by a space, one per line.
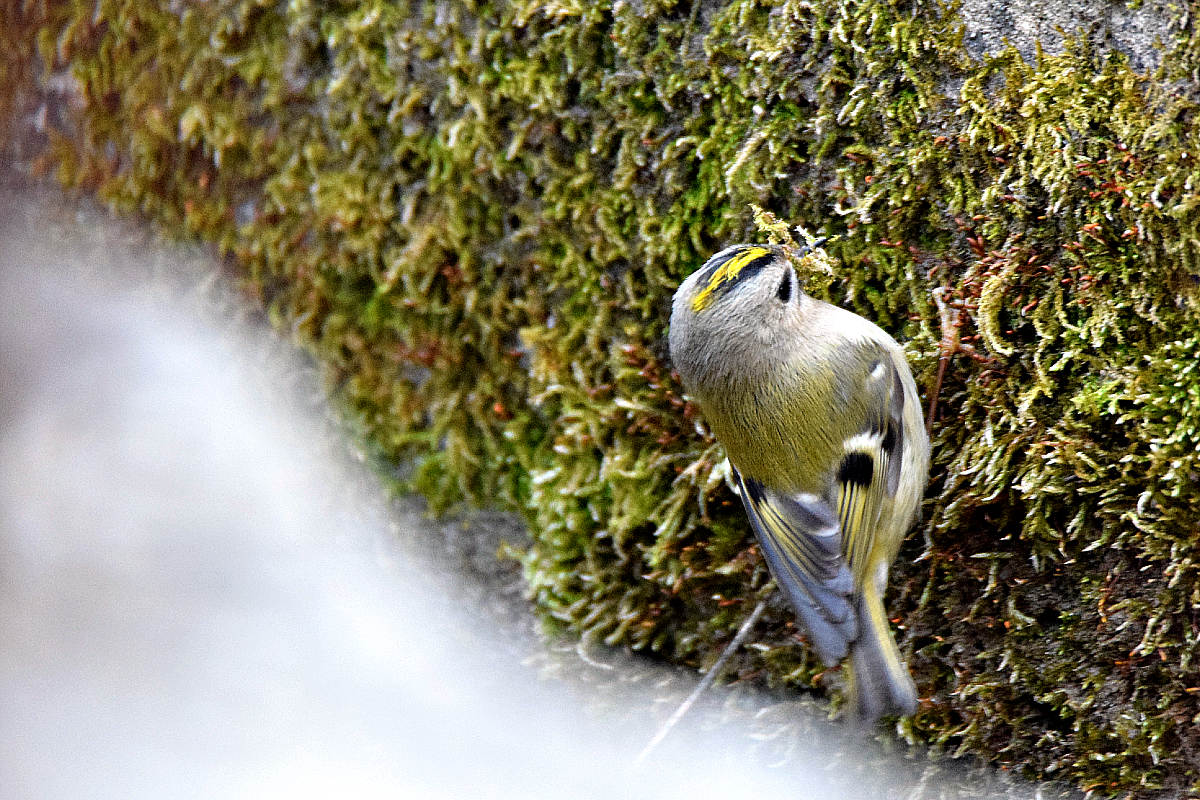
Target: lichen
475 214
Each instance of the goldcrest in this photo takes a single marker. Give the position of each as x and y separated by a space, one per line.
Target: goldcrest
819 415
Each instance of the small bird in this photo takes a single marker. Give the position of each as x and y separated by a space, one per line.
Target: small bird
819 415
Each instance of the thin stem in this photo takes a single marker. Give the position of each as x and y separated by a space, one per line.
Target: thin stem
713 673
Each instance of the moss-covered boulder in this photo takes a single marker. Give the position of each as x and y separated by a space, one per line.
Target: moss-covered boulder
475 214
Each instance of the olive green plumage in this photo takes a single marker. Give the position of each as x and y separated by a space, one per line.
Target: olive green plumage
819 415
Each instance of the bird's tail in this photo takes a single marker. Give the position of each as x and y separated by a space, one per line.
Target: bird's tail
879 682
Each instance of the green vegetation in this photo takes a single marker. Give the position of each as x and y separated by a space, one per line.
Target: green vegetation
475 215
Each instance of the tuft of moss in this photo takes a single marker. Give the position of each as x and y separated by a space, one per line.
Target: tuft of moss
475 215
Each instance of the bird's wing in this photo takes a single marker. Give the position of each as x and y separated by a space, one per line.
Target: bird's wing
868 473
802 542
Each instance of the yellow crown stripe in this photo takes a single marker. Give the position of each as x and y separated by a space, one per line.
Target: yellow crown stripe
726 273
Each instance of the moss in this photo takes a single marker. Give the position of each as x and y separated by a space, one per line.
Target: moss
475 214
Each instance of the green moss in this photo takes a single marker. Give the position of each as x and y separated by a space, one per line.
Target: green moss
475 214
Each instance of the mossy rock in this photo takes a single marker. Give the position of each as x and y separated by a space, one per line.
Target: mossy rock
475 215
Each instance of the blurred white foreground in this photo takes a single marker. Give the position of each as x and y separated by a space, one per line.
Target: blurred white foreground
202 596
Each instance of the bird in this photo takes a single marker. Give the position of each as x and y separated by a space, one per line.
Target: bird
819 416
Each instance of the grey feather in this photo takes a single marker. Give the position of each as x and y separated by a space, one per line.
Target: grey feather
802 545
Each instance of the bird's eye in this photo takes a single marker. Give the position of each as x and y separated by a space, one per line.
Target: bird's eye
784 292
